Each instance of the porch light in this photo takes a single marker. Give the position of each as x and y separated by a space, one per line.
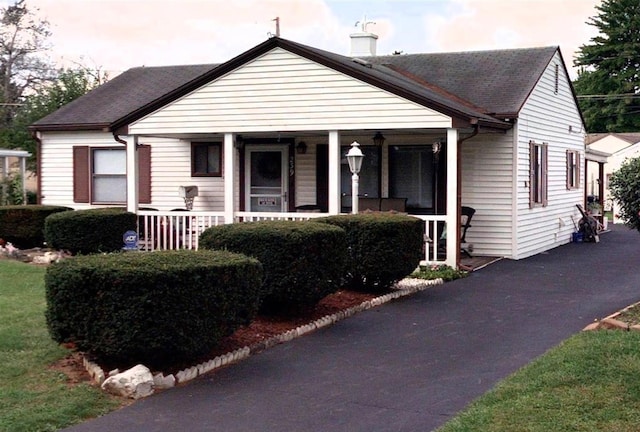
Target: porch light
239 142
301 148
354 157
378 139
436 147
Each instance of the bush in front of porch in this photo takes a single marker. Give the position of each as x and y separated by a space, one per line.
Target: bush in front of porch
303 261
89 231
151 308
383 248
23 225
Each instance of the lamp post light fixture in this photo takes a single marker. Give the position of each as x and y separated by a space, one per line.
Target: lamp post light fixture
354 157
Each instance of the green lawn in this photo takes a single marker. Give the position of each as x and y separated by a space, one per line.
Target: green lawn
590 383
32 396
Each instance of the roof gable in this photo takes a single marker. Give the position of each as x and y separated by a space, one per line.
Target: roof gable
283 91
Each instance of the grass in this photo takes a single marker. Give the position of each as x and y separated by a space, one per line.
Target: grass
588 383
33 396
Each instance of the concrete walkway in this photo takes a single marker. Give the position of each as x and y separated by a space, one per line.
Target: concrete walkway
409 365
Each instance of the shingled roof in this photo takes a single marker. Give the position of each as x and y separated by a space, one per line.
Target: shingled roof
498 81
483 86
120 97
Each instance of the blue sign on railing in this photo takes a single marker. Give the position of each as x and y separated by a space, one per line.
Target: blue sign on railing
130 239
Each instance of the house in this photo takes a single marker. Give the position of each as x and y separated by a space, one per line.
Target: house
13 162
265 135
617 147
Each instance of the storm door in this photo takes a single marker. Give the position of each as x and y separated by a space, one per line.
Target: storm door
266 179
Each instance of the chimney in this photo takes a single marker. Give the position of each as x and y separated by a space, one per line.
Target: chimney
363 44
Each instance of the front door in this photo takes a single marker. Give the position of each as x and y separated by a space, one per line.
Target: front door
266 178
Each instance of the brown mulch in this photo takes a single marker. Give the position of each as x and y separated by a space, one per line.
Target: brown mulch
260 329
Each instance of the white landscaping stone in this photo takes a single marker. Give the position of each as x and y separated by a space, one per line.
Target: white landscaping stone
162 382
134 383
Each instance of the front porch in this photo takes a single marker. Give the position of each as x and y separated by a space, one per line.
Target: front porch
181 229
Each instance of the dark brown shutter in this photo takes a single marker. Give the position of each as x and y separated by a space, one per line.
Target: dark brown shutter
81 175
545 174
569 156
532 174
144 174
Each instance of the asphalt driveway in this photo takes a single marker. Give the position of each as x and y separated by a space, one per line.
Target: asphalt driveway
409 365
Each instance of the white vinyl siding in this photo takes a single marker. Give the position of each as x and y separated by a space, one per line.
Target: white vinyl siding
170 168
56 169
487 186
553 118
280 91
305 185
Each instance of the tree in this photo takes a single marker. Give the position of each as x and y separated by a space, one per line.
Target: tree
625 189
69 85
23 68
608 83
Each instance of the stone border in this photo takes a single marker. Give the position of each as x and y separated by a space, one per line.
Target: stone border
404 288
611 323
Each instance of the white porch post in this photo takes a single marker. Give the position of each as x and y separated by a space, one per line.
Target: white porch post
23 176
334 173
229 175
453 219
132 174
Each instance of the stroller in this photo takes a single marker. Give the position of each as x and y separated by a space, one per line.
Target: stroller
588 226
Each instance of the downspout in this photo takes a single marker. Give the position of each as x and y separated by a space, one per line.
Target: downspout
118 139
37 138
476 130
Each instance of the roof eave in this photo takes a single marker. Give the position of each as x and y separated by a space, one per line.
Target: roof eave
103 127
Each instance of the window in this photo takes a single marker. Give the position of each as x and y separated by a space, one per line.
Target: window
369 176
411 175
99 175
206 159
537 174
109 175
573 169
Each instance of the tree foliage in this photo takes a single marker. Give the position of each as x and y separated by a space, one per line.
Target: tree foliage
23 66
609 67
625 189
30 85
67 86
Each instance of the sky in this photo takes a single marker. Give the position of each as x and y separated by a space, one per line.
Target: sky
115 35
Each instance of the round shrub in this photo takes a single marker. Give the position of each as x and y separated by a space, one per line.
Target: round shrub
23 225
382 248
150 307
89 231
303 261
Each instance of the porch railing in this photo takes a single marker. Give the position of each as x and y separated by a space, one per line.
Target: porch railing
434 227
181 229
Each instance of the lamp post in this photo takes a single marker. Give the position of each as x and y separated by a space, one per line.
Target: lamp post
354 157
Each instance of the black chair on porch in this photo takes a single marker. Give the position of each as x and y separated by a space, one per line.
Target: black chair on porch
466 214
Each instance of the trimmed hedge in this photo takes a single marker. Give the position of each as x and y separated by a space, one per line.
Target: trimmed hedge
303 261
383 248
150 307
23 225
89 231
